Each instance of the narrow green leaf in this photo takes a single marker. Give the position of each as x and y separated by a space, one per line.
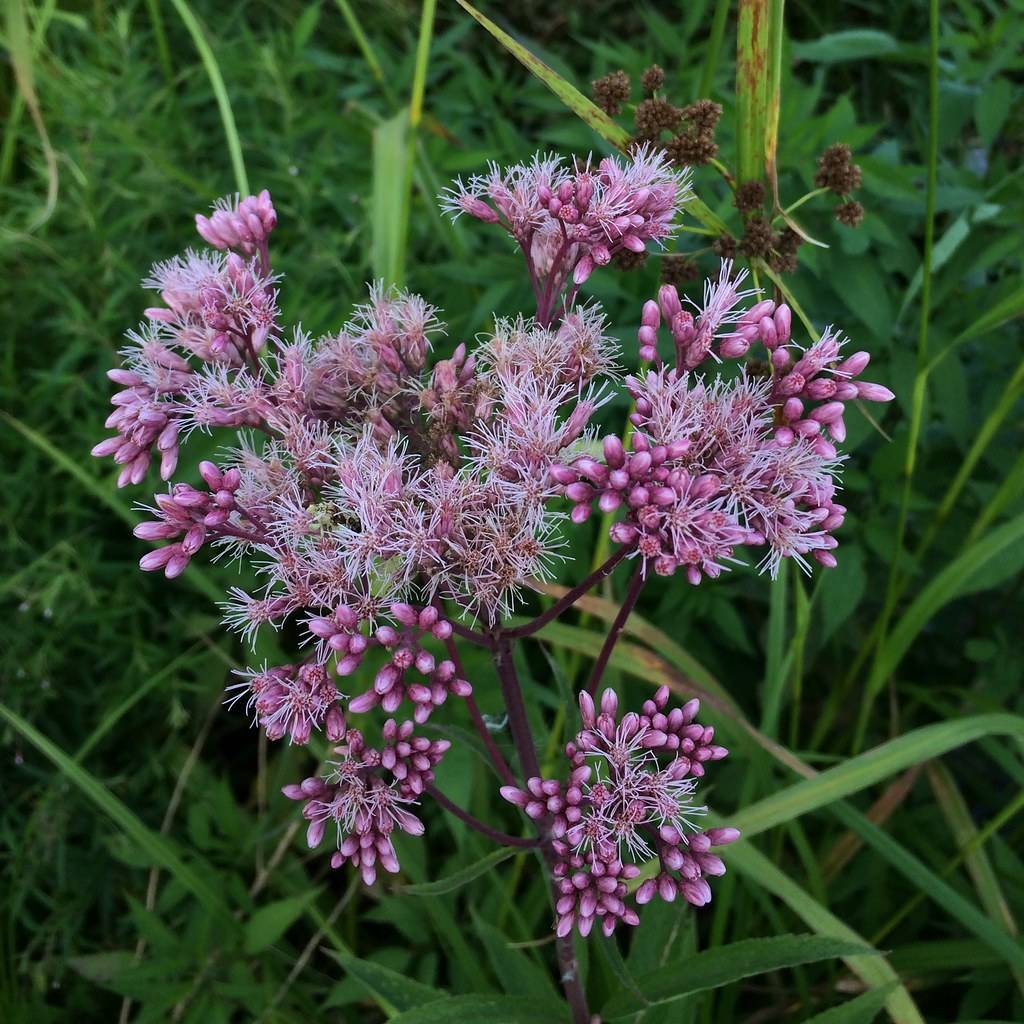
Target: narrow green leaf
272 920
395 992
155 846
951 582
861 1010
725 965
853 44
463 876
389 201
219 91
477 1009
568 94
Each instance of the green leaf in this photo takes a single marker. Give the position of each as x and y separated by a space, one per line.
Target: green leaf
477 1009
991 107
395 992
220 92
748 861
861 1010
156 847
955 580
714 968
568 94
853 44
463 876
514 968
389 201
272 920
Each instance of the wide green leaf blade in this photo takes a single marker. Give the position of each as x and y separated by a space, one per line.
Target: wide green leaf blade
478 1009
724 965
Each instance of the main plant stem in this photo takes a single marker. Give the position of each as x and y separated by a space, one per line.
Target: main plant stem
522 737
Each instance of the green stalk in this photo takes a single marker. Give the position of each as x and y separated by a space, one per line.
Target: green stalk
714 52
921 380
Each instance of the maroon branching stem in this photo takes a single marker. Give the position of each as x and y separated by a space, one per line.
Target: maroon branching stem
568 969
472 636
569 598
503 838
636 584
498 760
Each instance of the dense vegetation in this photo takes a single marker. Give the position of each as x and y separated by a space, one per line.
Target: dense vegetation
150 867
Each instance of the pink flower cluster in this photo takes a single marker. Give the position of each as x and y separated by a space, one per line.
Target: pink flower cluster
396 504
362 803
629 794
570 220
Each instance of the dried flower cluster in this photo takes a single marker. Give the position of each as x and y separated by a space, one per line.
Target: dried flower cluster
395 505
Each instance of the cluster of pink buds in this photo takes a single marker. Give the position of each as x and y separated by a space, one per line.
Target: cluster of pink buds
239 224
292 700
192 513
619 803
364 810
142 420
674 515
342 635
799 378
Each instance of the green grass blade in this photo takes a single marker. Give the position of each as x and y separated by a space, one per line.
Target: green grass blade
364 45
389 201
158 849
950 583
220 93
476 1009
568 94
725 965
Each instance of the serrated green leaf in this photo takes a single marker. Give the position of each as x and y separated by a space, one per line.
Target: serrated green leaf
395 992
714 968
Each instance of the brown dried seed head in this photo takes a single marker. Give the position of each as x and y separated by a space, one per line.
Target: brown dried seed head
725 247
850 213
757 238
652 79
749 196
611 91
626 259
678 268
655 116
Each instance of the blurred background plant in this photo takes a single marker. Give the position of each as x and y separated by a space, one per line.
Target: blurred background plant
121 899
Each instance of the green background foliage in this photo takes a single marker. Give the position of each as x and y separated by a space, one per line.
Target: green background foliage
150 871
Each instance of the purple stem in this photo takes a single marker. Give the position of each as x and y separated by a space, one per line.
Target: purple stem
480 639
500 764
568 969
569 598
502 838
636 584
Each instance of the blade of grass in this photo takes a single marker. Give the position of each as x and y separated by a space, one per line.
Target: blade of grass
220 93
920 382
568 94
154 846
20 48
965 835
714 48
365 47
103 493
